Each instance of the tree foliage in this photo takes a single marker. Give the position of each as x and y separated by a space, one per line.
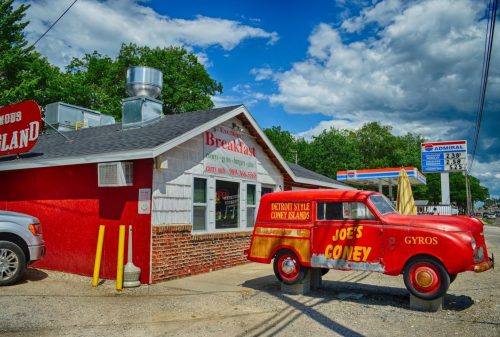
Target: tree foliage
372 146
23 72
98 82
95 81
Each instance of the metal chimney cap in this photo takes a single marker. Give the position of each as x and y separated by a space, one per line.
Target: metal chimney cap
144 81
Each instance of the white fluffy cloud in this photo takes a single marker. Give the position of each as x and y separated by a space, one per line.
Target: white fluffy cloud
426 58
415 65
103 25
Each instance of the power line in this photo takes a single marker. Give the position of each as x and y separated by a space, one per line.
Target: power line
490 30
54 23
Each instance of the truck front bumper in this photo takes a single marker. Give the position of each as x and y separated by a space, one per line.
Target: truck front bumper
37 252
485 266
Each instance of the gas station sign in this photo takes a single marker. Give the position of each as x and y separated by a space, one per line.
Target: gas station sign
19 127
444 156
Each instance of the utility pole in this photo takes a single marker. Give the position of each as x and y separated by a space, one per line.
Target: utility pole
295 156
467 192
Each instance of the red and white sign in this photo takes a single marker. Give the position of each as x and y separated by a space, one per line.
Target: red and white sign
144 201
19 127
226 154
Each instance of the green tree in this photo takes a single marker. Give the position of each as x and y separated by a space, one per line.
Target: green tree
331 151
406 151
375 142
287 144
98 82
23 73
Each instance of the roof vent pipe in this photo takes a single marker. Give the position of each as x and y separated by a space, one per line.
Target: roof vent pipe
144 81
144 84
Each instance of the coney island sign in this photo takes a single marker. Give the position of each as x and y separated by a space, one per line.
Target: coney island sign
19 127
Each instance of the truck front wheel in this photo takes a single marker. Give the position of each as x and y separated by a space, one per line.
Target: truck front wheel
426 278
12 263
287 267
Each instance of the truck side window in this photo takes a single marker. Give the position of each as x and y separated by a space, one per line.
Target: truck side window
343 211
329 211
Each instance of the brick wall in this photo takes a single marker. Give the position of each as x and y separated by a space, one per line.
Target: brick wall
178 253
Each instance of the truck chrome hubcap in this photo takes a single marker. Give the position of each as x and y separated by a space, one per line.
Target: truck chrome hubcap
288 266
8 264
424 278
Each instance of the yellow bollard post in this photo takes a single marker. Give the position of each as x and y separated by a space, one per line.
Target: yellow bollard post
119 269
98 255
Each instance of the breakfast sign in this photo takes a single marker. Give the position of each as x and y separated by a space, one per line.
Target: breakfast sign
227 154
19 127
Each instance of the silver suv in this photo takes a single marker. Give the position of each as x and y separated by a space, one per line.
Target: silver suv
21 243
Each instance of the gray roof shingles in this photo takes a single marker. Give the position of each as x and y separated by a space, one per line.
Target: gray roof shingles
301 172
111 138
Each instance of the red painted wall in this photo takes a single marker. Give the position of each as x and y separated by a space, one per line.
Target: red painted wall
71 207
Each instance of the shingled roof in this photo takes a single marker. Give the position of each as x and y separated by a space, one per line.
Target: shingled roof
111 138
111 143
308 174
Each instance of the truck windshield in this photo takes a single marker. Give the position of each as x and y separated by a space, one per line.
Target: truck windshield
383 205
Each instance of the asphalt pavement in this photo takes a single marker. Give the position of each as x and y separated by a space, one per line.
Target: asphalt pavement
247 301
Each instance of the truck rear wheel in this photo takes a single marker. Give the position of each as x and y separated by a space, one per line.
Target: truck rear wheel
12 263
426 278
287 267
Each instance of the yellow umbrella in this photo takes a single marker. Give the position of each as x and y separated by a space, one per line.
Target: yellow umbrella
405 203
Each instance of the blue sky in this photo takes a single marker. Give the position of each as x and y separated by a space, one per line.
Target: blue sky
305 67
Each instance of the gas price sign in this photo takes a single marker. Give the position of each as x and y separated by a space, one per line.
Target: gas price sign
444 156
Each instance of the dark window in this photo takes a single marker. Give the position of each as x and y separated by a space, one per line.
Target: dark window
227 201
266 190
343 211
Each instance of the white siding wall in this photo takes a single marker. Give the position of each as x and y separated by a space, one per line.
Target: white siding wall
172 183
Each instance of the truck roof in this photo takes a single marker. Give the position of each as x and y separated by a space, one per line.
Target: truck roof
318 194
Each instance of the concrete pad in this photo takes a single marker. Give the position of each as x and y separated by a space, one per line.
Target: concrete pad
425 305
316 280
301 288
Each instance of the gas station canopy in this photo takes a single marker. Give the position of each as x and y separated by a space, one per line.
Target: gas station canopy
380 177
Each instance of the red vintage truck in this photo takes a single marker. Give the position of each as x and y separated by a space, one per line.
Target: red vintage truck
360 230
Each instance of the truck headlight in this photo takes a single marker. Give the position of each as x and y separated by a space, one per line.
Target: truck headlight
473 243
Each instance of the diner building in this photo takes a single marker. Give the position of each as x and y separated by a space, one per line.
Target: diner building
189 184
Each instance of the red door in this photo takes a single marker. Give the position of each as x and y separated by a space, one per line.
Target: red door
346 235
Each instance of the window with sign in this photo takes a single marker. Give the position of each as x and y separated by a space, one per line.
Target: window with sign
251 204
200 204
227 204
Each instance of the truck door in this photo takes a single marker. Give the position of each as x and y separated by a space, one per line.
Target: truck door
346 235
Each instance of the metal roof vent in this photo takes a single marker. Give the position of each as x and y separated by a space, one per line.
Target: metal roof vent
144 81
144 84
116 174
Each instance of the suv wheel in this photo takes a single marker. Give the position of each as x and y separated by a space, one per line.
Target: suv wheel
12 263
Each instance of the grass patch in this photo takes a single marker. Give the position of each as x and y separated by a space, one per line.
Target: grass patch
488 222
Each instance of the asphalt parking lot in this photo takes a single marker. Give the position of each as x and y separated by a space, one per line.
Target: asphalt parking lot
247 301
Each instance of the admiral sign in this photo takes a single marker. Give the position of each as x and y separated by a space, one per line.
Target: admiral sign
19 127
226 154
444 156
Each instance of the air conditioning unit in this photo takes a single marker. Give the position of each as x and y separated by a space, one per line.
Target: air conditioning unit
116 174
